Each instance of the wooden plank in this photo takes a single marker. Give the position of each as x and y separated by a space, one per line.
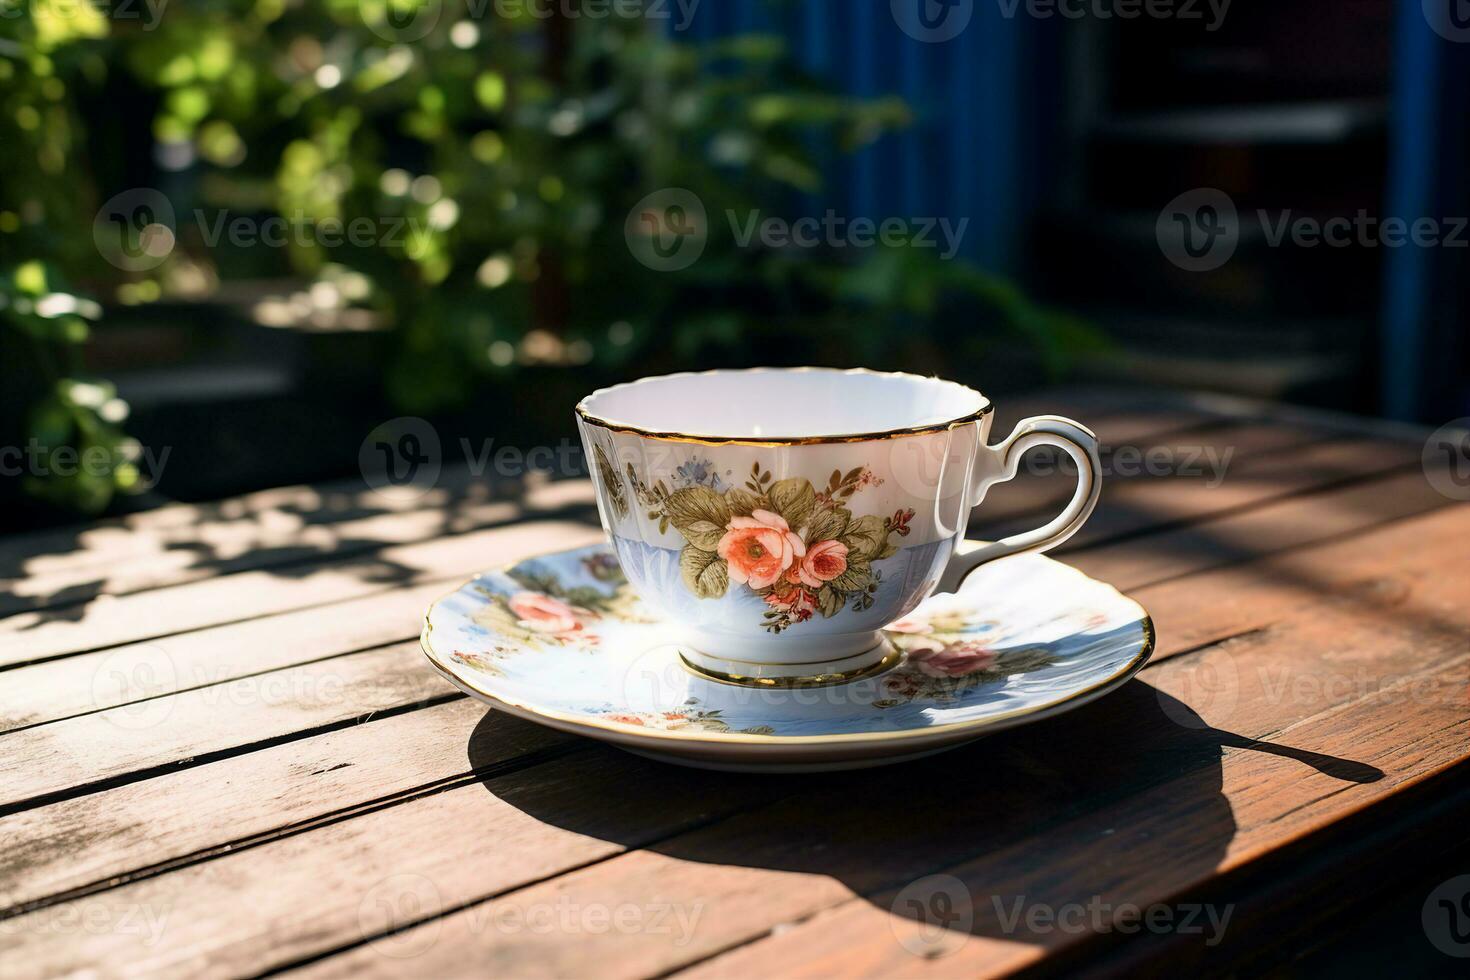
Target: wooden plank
1141 852
337 881
87 682
1188 462
69 756
1274 527
107 622
283 527
1046 783
781 867
1144 503
103 839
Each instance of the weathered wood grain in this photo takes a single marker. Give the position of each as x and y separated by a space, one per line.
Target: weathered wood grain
272 529
188 815
1141 852
1272 527
1314 601
781 838
108 621
338 882
1186 462
134 739
789 863
1189 613
1144 504
87 682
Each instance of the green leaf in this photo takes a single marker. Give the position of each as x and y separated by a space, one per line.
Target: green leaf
704 572
705 535
865 537
856 578
829 601
693 505
793 499
744 502
826 525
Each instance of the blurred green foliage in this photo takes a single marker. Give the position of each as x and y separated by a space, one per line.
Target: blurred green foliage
495 159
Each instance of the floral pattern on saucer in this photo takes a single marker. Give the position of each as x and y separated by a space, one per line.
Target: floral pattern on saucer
562 638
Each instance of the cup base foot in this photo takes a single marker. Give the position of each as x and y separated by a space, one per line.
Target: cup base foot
883 656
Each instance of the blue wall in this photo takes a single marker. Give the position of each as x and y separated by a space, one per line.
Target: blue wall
973 151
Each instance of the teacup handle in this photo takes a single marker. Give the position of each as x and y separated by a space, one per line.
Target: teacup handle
1000 462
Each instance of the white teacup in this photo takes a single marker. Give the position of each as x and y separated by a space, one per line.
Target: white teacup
780 518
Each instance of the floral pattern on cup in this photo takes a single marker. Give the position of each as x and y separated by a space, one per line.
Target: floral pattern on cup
612 484
801 549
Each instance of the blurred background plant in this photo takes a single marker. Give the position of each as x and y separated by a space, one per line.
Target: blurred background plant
489 161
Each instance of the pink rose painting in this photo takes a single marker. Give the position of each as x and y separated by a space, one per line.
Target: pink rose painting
541 613
759 548
951 660
822 562
802 551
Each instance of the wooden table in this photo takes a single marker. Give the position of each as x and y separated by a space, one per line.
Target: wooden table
224 753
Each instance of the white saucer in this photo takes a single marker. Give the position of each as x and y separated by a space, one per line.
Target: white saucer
561 640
